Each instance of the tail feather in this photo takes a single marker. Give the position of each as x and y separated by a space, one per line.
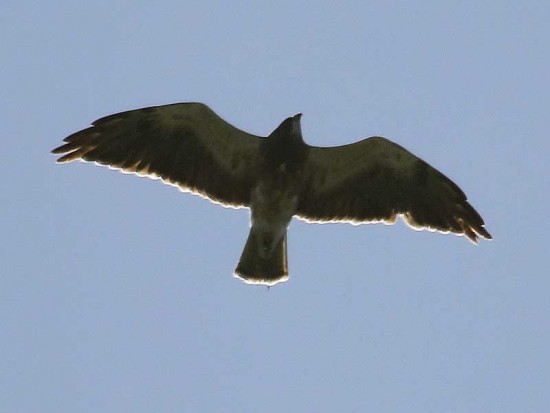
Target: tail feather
255 269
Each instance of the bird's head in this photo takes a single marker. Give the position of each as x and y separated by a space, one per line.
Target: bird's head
289 130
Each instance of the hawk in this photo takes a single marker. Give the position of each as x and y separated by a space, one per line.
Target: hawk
277 177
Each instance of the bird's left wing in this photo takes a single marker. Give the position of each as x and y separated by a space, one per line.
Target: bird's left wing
184 144
376 180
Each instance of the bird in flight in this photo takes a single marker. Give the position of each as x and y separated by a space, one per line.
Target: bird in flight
277 177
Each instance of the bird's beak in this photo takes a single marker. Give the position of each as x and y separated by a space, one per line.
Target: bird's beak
296 126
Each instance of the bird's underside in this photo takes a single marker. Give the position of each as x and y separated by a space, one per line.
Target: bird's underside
277 177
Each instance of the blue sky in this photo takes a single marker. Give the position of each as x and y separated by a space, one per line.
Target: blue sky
117 293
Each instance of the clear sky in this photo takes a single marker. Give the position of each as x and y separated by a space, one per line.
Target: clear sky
117 292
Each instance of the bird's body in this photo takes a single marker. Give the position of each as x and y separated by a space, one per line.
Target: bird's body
277 177
273 203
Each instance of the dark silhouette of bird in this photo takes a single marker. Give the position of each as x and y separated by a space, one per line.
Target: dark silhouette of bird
277 177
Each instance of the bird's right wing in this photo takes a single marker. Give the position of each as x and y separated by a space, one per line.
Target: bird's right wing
377 180
184 144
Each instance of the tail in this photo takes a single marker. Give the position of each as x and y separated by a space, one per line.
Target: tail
253 268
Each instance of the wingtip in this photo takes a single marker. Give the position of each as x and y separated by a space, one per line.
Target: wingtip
58 150
68 157
474 234
485 234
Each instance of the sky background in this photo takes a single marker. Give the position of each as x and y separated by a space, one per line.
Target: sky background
117 292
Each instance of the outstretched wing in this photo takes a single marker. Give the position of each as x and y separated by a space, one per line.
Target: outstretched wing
184 144
376 180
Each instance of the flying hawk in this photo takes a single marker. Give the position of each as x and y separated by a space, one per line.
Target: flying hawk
277 177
